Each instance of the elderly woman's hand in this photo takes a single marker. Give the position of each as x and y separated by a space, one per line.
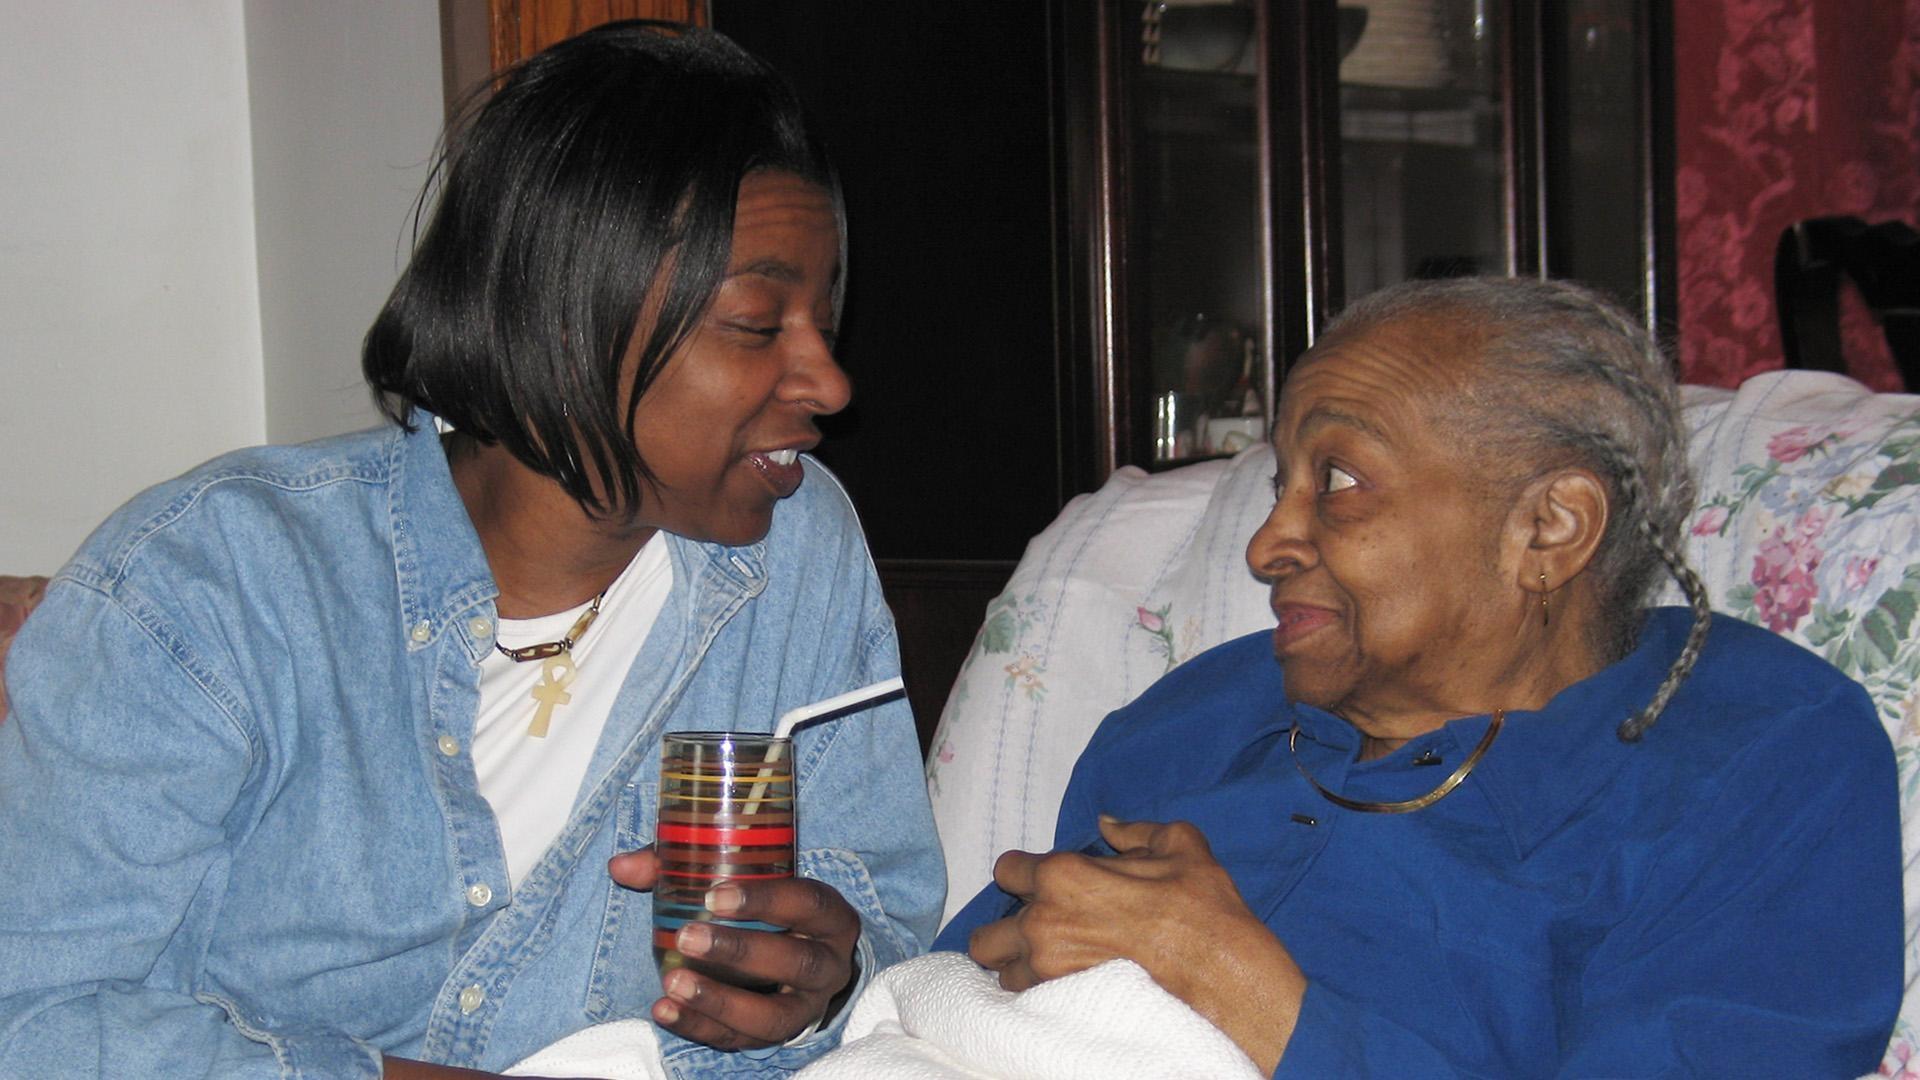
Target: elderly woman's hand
1162 902
811 963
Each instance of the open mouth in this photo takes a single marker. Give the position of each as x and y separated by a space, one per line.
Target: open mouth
781 469
1296 621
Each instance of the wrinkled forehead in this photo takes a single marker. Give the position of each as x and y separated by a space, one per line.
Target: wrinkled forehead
1401 371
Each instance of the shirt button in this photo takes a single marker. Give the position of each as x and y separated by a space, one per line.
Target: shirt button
478 895
480 627
449 745
421 631
472 998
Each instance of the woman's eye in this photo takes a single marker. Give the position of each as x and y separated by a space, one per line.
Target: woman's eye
1337 479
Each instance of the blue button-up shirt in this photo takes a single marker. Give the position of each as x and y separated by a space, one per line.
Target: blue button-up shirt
240 832
1722 898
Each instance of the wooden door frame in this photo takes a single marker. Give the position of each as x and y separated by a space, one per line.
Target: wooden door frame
479 38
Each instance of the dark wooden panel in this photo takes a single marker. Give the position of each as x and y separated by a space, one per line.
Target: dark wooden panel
938 606
938 118
941 119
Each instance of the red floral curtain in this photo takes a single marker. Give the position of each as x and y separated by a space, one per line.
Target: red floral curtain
1785 109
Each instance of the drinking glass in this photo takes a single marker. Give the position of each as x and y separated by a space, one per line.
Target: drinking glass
726 814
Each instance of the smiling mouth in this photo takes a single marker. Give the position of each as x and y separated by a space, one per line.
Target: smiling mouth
781 469
1296 621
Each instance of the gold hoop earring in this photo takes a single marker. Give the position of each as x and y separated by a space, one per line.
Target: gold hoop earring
1543 600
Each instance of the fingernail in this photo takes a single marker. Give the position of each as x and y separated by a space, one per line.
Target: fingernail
681 986
725 899
695 939
1109 819
666 1012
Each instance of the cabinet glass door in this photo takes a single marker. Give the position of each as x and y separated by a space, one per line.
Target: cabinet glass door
1249 165
1496 137
1422 142
1194 220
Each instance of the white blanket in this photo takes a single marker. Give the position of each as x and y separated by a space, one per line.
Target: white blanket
618 1050
943 1017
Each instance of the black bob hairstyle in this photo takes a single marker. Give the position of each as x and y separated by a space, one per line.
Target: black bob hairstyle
597 180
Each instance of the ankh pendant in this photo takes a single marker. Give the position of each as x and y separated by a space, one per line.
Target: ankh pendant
555 676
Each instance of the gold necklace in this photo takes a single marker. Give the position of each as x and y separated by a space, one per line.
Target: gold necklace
557 673
1405 806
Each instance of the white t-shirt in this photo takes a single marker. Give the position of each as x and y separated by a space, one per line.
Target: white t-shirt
532 782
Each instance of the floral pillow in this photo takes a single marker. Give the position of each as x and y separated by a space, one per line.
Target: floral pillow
1812 530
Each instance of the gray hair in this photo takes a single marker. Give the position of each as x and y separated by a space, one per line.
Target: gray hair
1567 379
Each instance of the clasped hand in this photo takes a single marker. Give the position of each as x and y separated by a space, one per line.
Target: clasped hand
1163 902
810 963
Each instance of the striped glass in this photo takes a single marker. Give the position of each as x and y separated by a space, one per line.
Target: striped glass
726 814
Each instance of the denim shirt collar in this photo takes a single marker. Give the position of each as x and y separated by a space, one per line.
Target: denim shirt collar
1546 764
437 558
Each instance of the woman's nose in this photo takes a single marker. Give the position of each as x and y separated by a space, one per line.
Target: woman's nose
1280 546
816 380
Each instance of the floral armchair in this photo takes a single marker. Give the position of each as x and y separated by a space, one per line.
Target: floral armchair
1808 524
18 595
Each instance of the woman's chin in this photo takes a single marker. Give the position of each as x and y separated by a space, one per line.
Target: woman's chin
1312 684
738 531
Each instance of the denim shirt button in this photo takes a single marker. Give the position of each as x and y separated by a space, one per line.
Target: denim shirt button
480 627
449 745
472 998
478 895
421 631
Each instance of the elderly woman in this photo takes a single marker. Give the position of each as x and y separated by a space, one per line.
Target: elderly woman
1487 814
326 758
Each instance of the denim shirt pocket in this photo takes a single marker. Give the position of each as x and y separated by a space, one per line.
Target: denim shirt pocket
624 981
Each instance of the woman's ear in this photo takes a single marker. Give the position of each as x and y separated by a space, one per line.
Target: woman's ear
1562 518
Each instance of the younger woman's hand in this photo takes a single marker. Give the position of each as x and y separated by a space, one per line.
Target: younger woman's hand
810 963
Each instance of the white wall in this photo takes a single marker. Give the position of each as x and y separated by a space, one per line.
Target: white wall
129 323
133 299
346 102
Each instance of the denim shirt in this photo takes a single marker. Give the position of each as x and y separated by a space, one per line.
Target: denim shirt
240 832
